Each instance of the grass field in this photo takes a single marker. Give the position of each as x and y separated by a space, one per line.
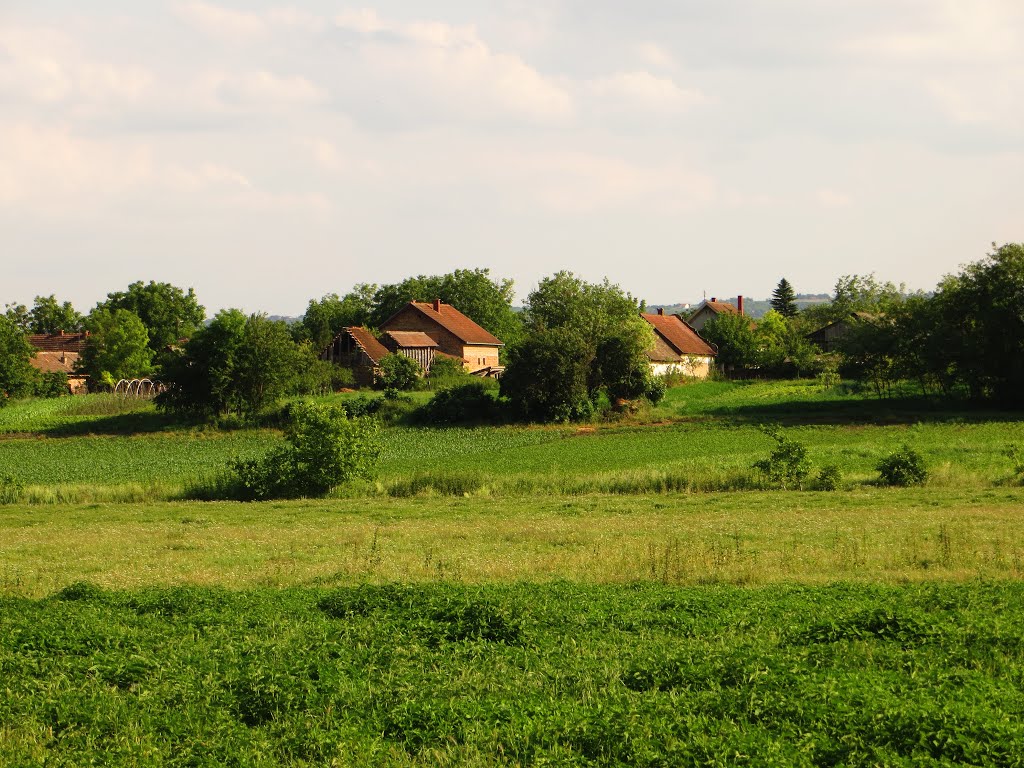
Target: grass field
619 593
559 674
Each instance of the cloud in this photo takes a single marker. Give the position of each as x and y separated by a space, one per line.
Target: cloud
261 90
827 197
642 90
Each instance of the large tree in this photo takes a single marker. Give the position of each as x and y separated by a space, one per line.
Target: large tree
168 312
17 375
784 299
548 376
117 347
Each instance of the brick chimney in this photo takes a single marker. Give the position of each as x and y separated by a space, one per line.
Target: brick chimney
713 299
661 310
437 305
739 304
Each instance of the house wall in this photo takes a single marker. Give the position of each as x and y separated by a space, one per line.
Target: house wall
695 366
699 320
480 357
410 319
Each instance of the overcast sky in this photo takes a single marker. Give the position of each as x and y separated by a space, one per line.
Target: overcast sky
266 154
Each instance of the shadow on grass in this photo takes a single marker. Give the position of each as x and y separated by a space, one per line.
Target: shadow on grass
898 410
140 422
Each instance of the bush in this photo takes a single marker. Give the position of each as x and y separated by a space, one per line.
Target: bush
656 388
829 478
787 464
324 450
11 489
902 467
547 376
52 384
398 372
468 403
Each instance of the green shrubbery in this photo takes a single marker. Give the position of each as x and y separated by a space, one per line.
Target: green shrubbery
324 450
788 464
902 467
398 372
469 403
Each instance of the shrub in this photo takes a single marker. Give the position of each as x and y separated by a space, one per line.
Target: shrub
52 384
1016 456
323 451
11 489
468 403
398 372
829 478
902 467
656 387
787 464
547 376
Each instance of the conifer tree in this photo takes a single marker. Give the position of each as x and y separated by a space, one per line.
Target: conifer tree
784 299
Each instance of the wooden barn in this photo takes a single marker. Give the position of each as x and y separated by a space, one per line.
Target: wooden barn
356 348
455 334
415 345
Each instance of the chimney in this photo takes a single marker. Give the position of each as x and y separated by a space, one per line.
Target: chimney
739 304
437 305
61 332
661 310
713 299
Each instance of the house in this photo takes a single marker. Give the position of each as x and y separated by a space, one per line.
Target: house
454 333
678 348
59 352
709 310
827 339
356 348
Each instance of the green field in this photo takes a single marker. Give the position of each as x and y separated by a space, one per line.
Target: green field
626 592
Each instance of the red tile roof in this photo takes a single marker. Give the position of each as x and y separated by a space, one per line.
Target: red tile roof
457 323
58 342
411 339
678 335
718 307
50 362
366 342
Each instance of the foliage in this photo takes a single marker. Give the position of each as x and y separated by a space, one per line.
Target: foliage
548 376
323 450
468 403
236 364
788 464
621 364
736 339
117 347
593 310
856 293
51 384
167 312
829 478
46 316
398 372
452 674
16 372
325 318
486 301
11 489
902 467
784 299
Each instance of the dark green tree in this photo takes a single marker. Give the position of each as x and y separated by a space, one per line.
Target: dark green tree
266 364
167 312
784 299
19 315
736 339
117 347
17 375
548 376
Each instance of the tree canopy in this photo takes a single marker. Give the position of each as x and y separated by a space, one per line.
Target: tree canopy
16 372
167 312
117 347
784 299
325 318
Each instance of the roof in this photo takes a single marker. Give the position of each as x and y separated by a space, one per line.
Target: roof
51 362
677 336
456 323
58 342
366 342
856 315
719 307
410 339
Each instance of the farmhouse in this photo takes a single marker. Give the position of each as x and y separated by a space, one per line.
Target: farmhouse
677 347
827 339
454 334
59 352
356 348
709 310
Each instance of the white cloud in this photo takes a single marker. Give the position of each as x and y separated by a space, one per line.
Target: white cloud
640 89
262 90
655 56
828 197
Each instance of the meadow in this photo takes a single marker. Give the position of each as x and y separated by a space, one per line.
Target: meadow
625 592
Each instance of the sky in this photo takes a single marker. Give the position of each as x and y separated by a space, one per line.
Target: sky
267 154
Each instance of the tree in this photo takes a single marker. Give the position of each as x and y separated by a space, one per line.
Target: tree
548 376
486 301
737 342
855 293
167 312
235 364
325 318
16 372
117 347
18 314
592 309
49 316
398 371
784 299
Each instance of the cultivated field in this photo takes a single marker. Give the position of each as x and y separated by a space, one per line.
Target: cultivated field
618 593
